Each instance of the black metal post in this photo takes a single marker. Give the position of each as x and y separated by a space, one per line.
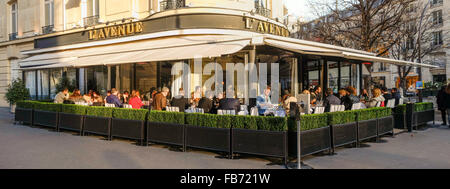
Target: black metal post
409 116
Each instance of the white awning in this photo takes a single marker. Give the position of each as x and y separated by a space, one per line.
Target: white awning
162 49
385 60
302 49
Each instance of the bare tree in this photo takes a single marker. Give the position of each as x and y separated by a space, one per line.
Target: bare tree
415 39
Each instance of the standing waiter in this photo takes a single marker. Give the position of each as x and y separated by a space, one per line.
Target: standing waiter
440 100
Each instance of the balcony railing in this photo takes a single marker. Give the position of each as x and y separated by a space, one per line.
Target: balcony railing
13 36
48 29
263 11
91 20
172 4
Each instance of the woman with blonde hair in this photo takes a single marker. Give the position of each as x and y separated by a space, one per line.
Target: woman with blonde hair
377 98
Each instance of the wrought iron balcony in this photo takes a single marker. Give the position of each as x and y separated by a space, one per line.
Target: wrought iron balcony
48 29
171 4
263 11
13 36
91 20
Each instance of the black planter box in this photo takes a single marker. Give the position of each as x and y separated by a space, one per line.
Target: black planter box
399 120
422 118
215 139
129 129
97 125
312 141
385 125
71 122
165 133
45 118
259 142
344 134
24 115
367 129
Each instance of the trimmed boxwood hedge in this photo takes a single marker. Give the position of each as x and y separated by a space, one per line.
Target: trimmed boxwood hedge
208 120
367 114
338 118
309 122
46 106
74 109
424 106
130 114
271 123
27 104
400 109
245 122
384 112
166 117
100 111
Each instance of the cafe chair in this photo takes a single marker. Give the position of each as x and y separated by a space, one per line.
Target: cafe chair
357 106
319 110
172 109
400 101
391 103
110 105
127 106
254 111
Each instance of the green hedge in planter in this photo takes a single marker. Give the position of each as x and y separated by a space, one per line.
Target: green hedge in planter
45 106
367 114
166 117
100 111
74 109
308 122
245 122
202 120
271 123
384 112
27 104
130 114
338 118
400 109
424 106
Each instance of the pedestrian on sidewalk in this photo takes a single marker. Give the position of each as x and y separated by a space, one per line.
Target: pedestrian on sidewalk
440 101
447 102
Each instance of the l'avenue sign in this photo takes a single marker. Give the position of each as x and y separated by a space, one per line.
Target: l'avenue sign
116 31
265 27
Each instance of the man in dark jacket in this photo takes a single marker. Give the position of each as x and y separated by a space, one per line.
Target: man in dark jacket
180 101
396 95
330 99
440 100
351 98
386 95
230 103
206 103
114 99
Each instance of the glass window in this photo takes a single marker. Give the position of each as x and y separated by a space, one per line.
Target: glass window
345 75
97 79
313 74
55 77
49 12
30 82
43 84
92 8
333 76
146 76
125 77
14 19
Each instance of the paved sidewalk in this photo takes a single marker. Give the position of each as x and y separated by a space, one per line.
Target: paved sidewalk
31 148
429 147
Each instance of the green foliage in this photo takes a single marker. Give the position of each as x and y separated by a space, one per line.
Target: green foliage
74 109
225 121
384 112
202 120
166 117
64 82
367 114
308 122
100 111
424 106
245 122
337 118
46 106
27 104
271 123
130 114
17 91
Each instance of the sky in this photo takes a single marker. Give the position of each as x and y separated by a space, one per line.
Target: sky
299 8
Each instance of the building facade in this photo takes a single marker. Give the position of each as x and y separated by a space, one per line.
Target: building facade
24 21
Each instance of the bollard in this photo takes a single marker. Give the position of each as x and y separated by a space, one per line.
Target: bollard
409 116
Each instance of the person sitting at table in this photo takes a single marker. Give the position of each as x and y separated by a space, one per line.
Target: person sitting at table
216 103
287 101
76 96
114 99
230 103
160 100
316 96
62 96
125 97
263 101
206 103
377 98
330 99
180 101
88 97
97 99
135 100
351 98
